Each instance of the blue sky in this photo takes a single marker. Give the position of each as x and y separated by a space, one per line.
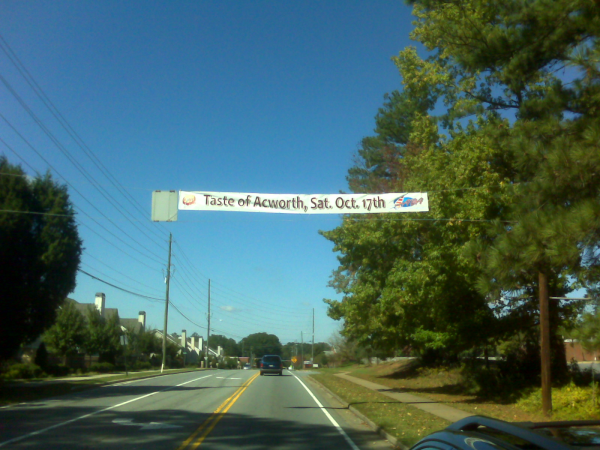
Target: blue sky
235 96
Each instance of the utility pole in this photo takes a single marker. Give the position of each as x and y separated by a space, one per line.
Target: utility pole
208 329
164 344
302 350
312 356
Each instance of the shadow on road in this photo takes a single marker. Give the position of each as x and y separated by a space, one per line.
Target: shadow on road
168 429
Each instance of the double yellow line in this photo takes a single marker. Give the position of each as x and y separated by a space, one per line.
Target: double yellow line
207 426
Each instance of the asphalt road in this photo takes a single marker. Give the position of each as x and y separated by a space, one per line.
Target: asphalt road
217 409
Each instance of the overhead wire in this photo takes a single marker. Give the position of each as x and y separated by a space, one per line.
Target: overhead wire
22 69
89 267
79 193
73 161
120 288
120 272
117 247
216 287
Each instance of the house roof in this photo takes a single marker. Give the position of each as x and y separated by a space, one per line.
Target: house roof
109 312
132 325
83 307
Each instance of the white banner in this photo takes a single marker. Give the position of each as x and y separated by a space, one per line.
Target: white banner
303 203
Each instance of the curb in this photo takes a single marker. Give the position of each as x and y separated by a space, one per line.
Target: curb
379 430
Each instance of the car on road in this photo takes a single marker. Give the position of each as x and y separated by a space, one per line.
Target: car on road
247 367
271 364
484 433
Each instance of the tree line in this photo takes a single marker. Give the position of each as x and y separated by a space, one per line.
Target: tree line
500 124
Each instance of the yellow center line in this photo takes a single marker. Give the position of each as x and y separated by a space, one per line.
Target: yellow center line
216 416
219 416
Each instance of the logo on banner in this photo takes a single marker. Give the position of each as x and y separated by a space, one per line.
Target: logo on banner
189 199
405 202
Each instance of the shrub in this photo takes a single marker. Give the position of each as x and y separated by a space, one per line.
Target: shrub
20 370
141 365
103 367
58 370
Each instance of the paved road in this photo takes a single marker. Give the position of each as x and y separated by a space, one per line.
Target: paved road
215 409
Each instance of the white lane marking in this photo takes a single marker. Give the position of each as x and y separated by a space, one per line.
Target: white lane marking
13 405
35 433
331 419
227 378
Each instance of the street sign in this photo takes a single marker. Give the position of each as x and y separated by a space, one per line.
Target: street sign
294 359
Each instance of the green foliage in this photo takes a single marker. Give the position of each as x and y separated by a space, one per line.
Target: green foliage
505 55
230 347
102 367
587 331
511 195
141 365
110 341
102 335
400 278
68 333
262 344
570 402
39 254
25 371
143 343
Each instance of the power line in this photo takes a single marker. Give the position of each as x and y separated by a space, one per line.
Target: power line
36 213
117 247
12 56
120 288
130 279
82 196
68 155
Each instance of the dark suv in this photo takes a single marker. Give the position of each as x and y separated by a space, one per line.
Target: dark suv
271 364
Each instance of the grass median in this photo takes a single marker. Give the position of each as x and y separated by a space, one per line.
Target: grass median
406 423
19 391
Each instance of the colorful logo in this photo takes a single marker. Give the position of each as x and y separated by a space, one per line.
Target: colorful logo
406 202
189 199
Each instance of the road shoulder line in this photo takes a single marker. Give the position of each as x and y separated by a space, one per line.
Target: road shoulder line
331 419
376 428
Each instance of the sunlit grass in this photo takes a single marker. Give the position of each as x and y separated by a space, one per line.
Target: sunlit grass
406 423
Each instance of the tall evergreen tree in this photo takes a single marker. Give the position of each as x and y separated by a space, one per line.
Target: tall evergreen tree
539 60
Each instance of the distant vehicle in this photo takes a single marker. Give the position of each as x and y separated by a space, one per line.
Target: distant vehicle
271 364
247 367
484 433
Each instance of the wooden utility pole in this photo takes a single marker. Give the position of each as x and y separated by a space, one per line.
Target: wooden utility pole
164 343
545 344
312 356
208 329
302 348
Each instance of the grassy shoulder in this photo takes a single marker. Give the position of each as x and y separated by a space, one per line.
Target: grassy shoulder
449 386
19 391
407 423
